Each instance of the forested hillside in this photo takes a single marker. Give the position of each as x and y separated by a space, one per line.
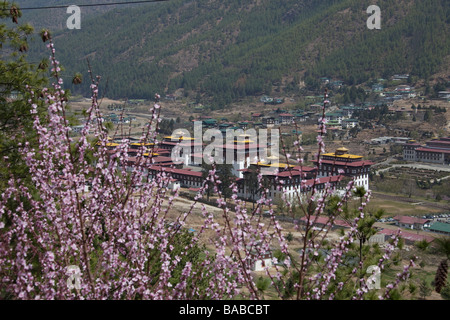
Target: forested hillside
224 50
55 19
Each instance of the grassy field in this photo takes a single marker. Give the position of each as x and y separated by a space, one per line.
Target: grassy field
394 208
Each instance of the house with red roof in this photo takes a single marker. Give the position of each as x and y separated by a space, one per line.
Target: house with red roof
434 151
412 223
286 118
341 162
409 237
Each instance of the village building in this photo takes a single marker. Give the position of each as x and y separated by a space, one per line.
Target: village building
412 223
286 118
349 123
434 151
410 238
260 260
270 122
440 227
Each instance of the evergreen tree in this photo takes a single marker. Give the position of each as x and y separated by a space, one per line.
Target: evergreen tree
424 289
20 81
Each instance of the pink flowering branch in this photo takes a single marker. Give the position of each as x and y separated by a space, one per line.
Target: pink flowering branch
119 231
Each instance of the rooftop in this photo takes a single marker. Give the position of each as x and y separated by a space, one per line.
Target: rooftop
347 163
344 156
286 115
278 165
440 227
342 153
175 138
407 235
410 220
433 150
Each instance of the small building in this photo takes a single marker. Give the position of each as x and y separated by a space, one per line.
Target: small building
243 125
278 100
270 121
174 185
409 237
334 124
300 117
412 223
324 80
260 260
378 87
210 123
349 123
286 118
257 115
266 99
440 227
334 116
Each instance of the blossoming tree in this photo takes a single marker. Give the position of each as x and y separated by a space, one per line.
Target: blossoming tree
113 240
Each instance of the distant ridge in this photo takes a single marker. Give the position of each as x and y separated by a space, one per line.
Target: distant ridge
221 51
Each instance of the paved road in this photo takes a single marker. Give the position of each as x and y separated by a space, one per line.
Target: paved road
437 167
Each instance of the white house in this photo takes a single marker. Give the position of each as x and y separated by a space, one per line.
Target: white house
261 260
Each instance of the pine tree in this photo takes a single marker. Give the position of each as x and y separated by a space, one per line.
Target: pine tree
19 82
424 289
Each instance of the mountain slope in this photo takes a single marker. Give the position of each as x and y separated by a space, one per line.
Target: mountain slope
55 19
224 50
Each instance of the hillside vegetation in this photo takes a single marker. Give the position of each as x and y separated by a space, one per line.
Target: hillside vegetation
221 51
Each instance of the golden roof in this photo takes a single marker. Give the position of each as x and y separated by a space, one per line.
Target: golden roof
347 156
142 144
278 165
111 144
179 138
